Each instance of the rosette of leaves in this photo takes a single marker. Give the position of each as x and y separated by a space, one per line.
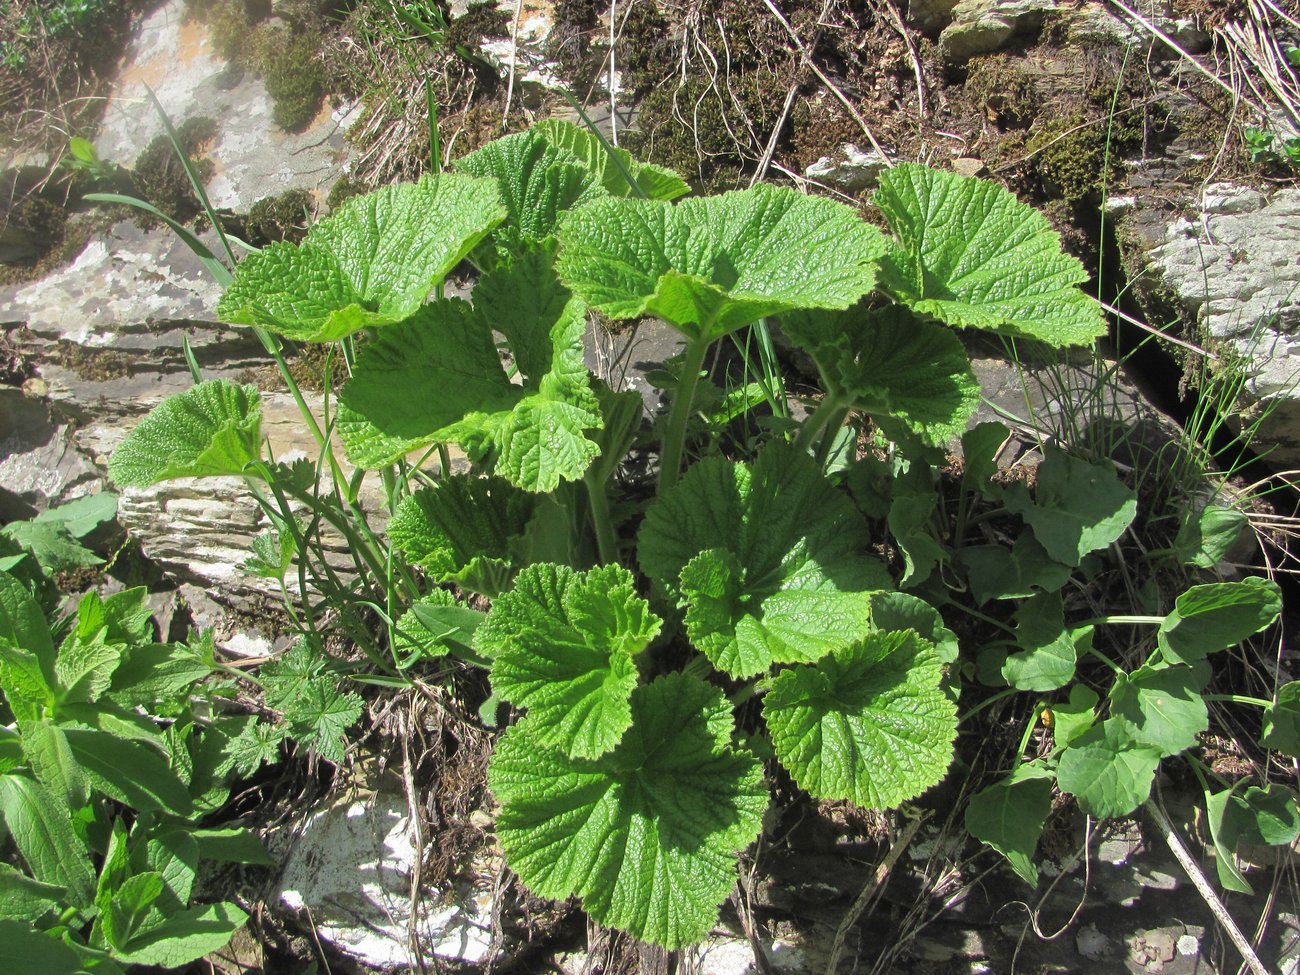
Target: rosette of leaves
438 378
891 365
645 834
708 266
967 252
768 560
373 262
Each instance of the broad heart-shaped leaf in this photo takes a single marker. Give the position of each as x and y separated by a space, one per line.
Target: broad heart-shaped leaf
1206 536
710 265
461 530
999 572
889 363
438 378
564 646
1009 816
1108 772
647 834
373 262
786 576
1048 651
1282 721
1262 817
537 179
210 430
1216 616
1162 706
1078 507
970 254
869 723
611 165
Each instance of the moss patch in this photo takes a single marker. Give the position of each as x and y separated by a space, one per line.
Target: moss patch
282 217
159 176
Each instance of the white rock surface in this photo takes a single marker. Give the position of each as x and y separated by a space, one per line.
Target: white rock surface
852 171
349 870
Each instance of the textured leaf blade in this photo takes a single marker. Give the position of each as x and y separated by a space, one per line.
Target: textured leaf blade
869 723
41 828
185 936
646 835
612 166
210 430
24 949
793 546
462 530
564 646
129 772
373 262
970 254
892 364
538 181
713 264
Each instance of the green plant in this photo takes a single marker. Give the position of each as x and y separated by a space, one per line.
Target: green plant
793 607
53 538
113 748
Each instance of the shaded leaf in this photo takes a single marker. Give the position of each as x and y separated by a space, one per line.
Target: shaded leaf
1009 816
1218 615
1107 771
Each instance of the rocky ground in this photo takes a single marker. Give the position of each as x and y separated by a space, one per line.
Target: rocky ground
1104 117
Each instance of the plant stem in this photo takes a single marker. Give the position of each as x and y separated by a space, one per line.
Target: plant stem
827 409
598 502
1259 702
670 456
1126 620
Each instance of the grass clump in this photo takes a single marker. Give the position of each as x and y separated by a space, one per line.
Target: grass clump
159 177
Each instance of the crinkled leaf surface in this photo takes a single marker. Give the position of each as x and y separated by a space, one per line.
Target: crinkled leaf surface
786 574
564 646
461 530
710 265
1108 772
1162 706
647 834
1282 721
901 611
1009 816
970 254
373 262
888 362
210 430
438 378
538 181
611 165
1078 506
1218 615
42 831
869 723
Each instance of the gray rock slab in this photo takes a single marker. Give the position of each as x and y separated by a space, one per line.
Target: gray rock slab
253 158
851 171
1106 23
983 26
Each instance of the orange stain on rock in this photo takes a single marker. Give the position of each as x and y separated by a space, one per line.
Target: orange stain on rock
193 44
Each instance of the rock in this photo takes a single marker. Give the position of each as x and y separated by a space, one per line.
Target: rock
969 166
852 172
1092 943
40 466
532 65
930 16
1092 23
253 158
348 870
983 26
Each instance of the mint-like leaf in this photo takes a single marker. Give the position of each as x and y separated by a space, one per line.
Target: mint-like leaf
889 363
610 165
1078 506
462 530
710 265
869 723
647 834
788 573
373 262
564 646
970 254
210 430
